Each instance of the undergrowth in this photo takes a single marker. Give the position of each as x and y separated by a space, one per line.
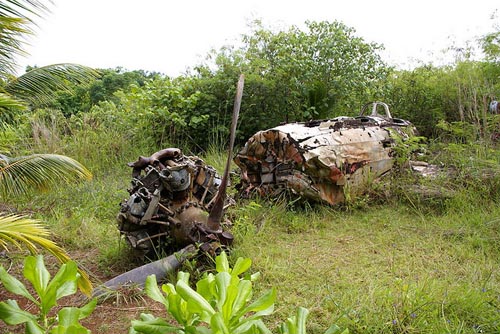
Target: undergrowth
411 255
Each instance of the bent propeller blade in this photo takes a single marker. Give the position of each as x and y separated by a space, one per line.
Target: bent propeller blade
215 215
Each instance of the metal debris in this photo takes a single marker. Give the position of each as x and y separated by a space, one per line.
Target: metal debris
170 199
326 160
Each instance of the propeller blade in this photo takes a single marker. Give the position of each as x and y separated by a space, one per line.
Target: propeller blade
215 215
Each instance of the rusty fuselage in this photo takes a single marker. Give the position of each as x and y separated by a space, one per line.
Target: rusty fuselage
321 160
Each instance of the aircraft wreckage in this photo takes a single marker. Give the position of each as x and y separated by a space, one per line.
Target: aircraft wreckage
322 160
176 202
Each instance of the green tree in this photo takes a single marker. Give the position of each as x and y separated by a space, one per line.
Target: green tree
294 74
417 95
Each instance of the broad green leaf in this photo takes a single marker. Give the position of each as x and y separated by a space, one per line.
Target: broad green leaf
301 320
175 308
241 266
68 316
168 288
222 281
203 330
193 330
87 309
11 314
206 287
255 276
155 326
153 291
13 285
250 326
222 264
63 284
73 329
284 328
262 327
37 274
68 277
183 276
262 306
33 328
243 295
228 306
194 299
218 325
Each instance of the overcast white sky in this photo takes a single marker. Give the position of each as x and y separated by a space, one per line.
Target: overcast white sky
169 36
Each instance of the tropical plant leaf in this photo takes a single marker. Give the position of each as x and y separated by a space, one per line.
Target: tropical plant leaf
241 266
16 19
12 314
11 44
264 305
38 275
154 326
218 325
152 290
222 264
196 302
19 175
38 85
25 9
13 285
63 284
7 101
70 316
20 230
87 309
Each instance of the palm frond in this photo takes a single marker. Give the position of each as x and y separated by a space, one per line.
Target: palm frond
38 85
12 42
20 175
16 20
25 9
22 231
9 102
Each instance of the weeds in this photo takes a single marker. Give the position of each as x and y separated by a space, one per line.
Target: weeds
394 260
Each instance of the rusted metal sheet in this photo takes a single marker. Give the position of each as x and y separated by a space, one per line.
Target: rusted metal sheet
321 160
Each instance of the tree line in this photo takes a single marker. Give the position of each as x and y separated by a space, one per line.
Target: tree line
319 72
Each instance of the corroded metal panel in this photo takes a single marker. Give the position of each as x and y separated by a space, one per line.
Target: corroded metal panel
320 160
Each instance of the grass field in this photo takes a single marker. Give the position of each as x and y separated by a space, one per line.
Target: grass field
382 264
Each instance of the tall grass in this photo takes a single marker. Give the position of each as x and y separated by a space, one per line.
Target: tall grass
393 261
382 270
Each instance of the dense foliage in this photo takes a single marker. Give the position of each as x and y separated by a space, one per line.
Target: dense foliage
319 72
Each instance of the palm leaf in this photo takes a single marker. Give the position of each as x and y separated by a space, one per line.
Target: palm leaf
31 233
20 175
38 85
25 9
11 43
16 19
7 101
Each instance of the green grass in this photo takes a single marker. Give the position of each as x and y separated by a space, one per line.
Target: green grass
383 270
393 262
